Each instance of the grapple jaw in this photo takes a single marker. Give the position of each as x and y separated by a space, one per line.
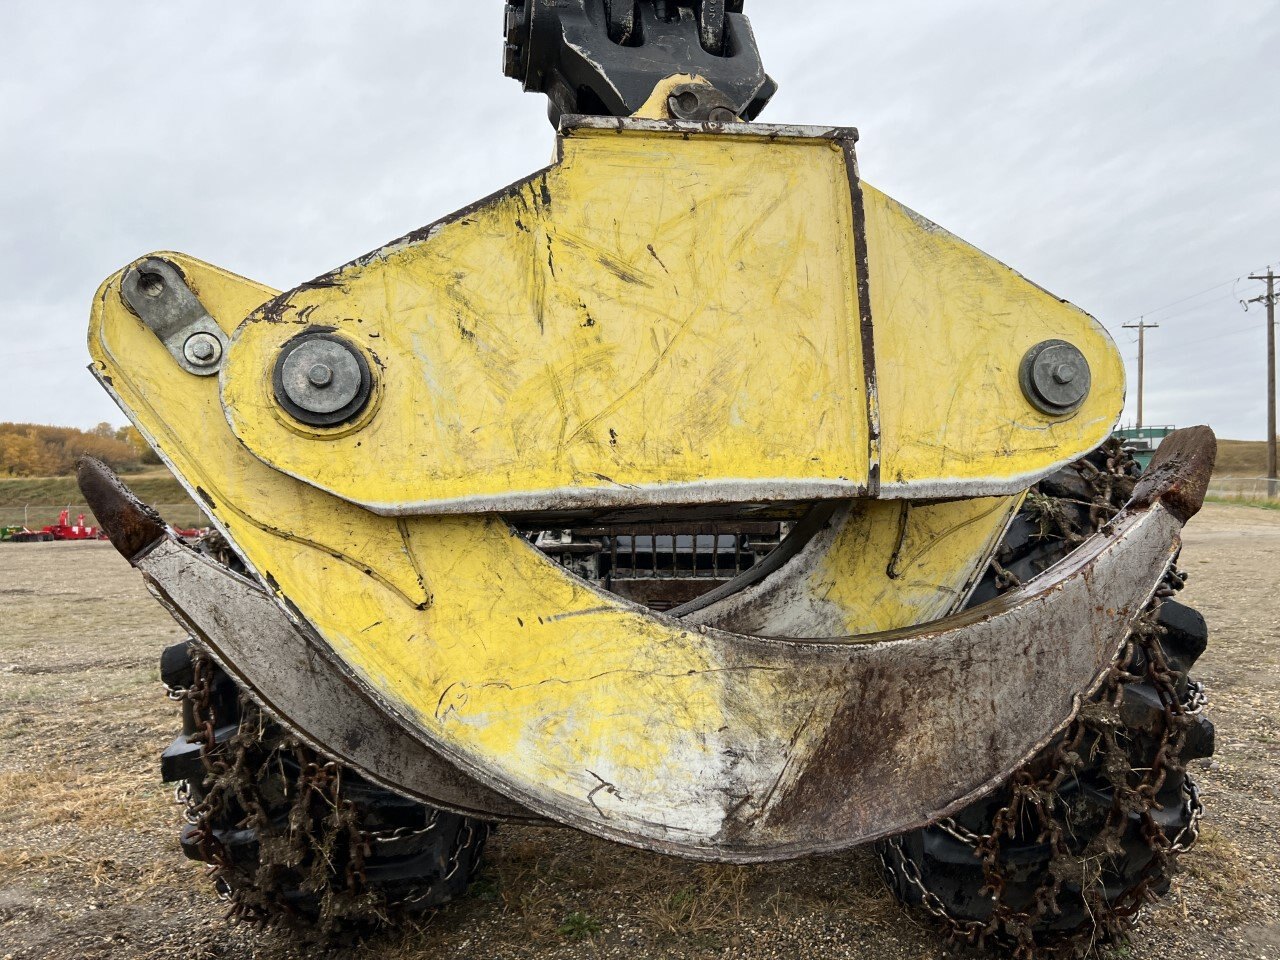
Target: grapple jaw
633 333
899 729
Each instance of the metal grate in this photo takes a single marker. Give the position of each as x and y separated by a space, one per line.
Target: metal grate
661 565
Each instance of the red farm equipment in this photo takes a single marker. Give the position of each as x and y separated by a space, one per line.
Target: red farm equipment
62 530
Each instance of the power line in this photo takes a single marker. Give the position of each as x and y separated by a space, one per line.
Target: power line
1197 308
1217 336
1193 296
1174 303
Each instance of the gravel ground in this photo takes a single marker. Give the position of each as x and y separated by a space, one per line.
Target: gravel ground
89 865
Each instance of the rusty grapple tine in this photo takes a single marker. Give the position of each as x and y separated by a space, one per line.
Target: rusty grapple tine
1179 475
891 733
131 525
248 635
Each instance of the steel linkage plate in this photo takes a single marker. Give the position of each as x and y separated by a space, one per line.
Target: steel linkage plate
677 315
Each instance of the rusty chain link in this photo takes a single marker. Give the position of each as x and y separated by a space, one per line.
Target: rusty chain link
324 827
1033 792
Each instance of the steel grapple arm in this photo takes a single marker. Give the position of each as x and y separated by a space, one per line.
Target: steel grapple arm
885 730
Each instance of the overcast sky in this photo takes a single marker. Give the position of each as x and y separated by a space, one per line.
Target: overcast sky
1126 155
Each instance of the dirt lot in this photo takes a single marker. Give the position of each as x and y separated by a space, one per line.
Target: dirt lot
89 865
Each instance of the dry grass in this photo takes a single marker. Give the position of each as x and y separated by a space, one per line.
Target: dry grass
1216 866
58 795
89 865
546 888
1246 502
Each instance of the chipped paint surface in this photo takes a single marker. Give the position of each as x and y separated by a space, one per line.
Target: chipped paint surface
876 565
598 713
678 314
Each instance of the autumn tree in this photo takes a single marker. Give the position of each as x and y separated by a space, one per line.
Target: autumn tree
34 450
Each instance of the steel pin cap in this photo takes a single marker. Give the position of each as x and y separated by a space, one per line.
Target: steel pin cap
1055 377
322 380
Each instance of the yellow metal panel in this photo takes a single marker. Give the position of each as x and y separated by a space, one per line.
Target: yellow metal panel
939 550
672 316
653 318
516 668
952 326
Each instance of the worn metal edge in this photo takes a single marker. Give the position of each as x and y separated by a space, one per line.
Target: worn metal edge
956 488
725 493
696 493
251 689
572 124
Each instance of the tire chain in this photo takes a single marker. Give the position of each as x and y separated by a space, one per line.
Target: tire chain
321 820
1034 795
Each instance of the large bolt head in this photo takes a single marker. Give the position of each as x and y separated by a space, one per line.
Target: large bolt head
322 380
1055 377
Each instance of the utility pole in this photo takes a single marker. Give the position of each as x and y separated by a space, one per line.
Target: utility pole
1142 327
1273 481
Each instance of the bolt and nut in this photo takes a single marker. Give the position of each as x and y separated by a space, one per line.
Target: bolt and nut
700 103
202 349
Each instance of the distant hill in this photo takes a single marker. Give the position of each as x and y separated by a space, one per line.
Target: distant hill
36 501
39 450
1241 458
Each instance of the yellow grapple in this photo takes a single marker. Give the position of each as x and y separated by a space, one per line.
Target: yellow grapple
686 318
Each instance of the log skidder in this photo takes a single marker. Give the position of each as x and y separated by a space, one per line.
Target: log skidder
687 334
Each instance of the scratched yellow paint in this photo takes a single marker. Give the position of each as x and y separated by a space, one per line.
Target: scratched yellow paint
635 319
952 326
515 667
938 550
666 320
182 416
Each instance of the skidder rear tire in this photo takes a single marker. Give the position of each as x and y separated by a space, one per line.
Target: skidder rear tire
1067 853
294 837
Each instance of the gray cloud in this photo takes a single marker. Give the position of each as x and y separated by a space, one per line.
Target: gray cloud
1122 155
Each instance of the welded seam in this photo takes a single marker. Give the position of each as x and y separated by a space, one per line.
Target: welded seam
866 323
